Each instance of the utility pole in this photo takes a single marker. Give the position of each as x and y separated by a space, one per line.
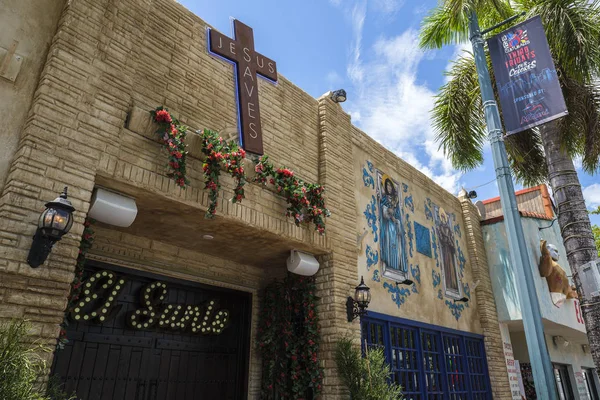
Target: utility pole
541 365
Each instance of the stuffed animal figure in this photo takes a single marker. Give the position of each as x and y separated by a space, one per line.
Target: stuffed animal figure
558 283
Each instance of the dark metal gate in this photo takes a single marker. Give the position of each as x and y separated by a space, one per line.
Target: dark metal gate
114 358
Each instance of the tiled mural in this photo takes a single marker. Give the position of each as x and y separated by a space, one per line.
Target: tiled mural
395 239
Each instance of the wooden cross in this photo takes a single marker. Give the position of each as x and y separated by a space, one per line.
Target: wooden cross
249 64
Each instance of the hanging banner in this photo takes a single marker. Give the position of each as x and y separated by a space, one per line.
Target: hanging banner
526 78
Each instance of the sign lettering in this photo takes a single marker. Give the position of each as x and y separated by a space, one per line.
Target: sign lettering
526 78
99 297
249 64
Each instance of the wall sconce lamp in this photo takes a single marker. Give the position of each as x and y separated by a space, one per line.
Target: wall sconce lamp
472 194
585 348
338 96
357 306
462 300
560 341
406 282
54 223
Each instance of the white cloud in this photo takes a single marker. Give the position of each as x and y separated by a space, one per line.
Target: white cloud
591 195
394 108
333 79
335 2
357 17
388 7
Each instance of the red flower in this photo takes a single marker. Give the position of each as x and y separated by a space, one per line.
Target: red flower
211 185
177 154
163 116
239 197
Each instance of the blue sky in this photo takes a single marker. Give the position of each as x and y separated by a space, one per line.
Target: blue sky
370 49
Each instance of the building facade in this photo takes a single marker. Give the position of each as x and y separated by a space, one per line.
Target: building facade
564 327
80 116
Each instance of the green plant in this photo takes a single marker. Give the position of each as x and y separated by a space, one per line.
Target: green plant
289 339
367 378
20 363
55 390
596 231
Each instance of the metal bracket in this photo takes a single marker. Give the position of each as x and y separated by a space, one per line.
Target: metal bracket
10 64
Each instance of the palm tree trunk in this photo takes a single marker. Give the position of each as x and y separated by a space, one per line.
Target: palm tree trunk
574 222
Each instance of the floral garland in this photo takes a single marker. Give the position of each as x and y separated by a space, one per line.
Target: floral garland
288 339
220 154
87 239
305 200
172 136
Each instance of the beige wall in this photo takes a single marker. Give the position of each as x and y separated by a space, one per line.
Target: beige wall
109 65
33 27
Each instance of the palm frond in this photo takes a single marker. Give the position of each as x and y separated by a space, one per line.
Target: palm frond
580 129
573 31
457 115
526 157
443 27
448 23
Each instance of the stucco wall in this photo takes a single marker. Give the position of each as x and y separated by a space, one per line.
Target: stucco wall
32 24
503 277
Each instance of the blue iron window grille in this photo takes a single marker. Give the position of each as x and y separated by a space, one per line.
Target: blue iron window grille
430 362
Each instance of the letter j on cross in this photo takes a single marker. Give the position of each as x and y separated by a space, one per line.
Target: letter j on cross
249 64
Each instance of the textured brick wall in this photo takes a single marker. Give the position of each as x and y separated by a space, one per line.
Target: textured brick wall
486 304
339 273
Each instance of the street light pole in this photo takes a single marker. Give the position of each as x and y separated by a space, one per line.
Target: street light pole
541 365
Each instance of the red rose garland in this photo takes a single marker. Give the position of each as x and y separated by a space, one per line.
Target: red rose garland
305 201
172 136
220 154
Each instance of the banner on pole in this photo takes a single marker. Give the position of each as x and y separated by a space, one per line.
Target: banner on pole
526 78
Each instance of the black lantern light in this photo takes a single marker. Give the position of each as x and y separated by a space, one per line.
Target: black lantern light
54 223
338 96
406 282
462 300
357 306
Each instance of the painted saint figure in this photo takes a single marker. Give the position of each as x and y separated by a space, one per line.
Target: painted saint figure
392 231
448 247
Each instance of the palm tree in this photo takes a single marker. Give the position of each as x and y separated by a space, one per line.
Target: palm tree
545 153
